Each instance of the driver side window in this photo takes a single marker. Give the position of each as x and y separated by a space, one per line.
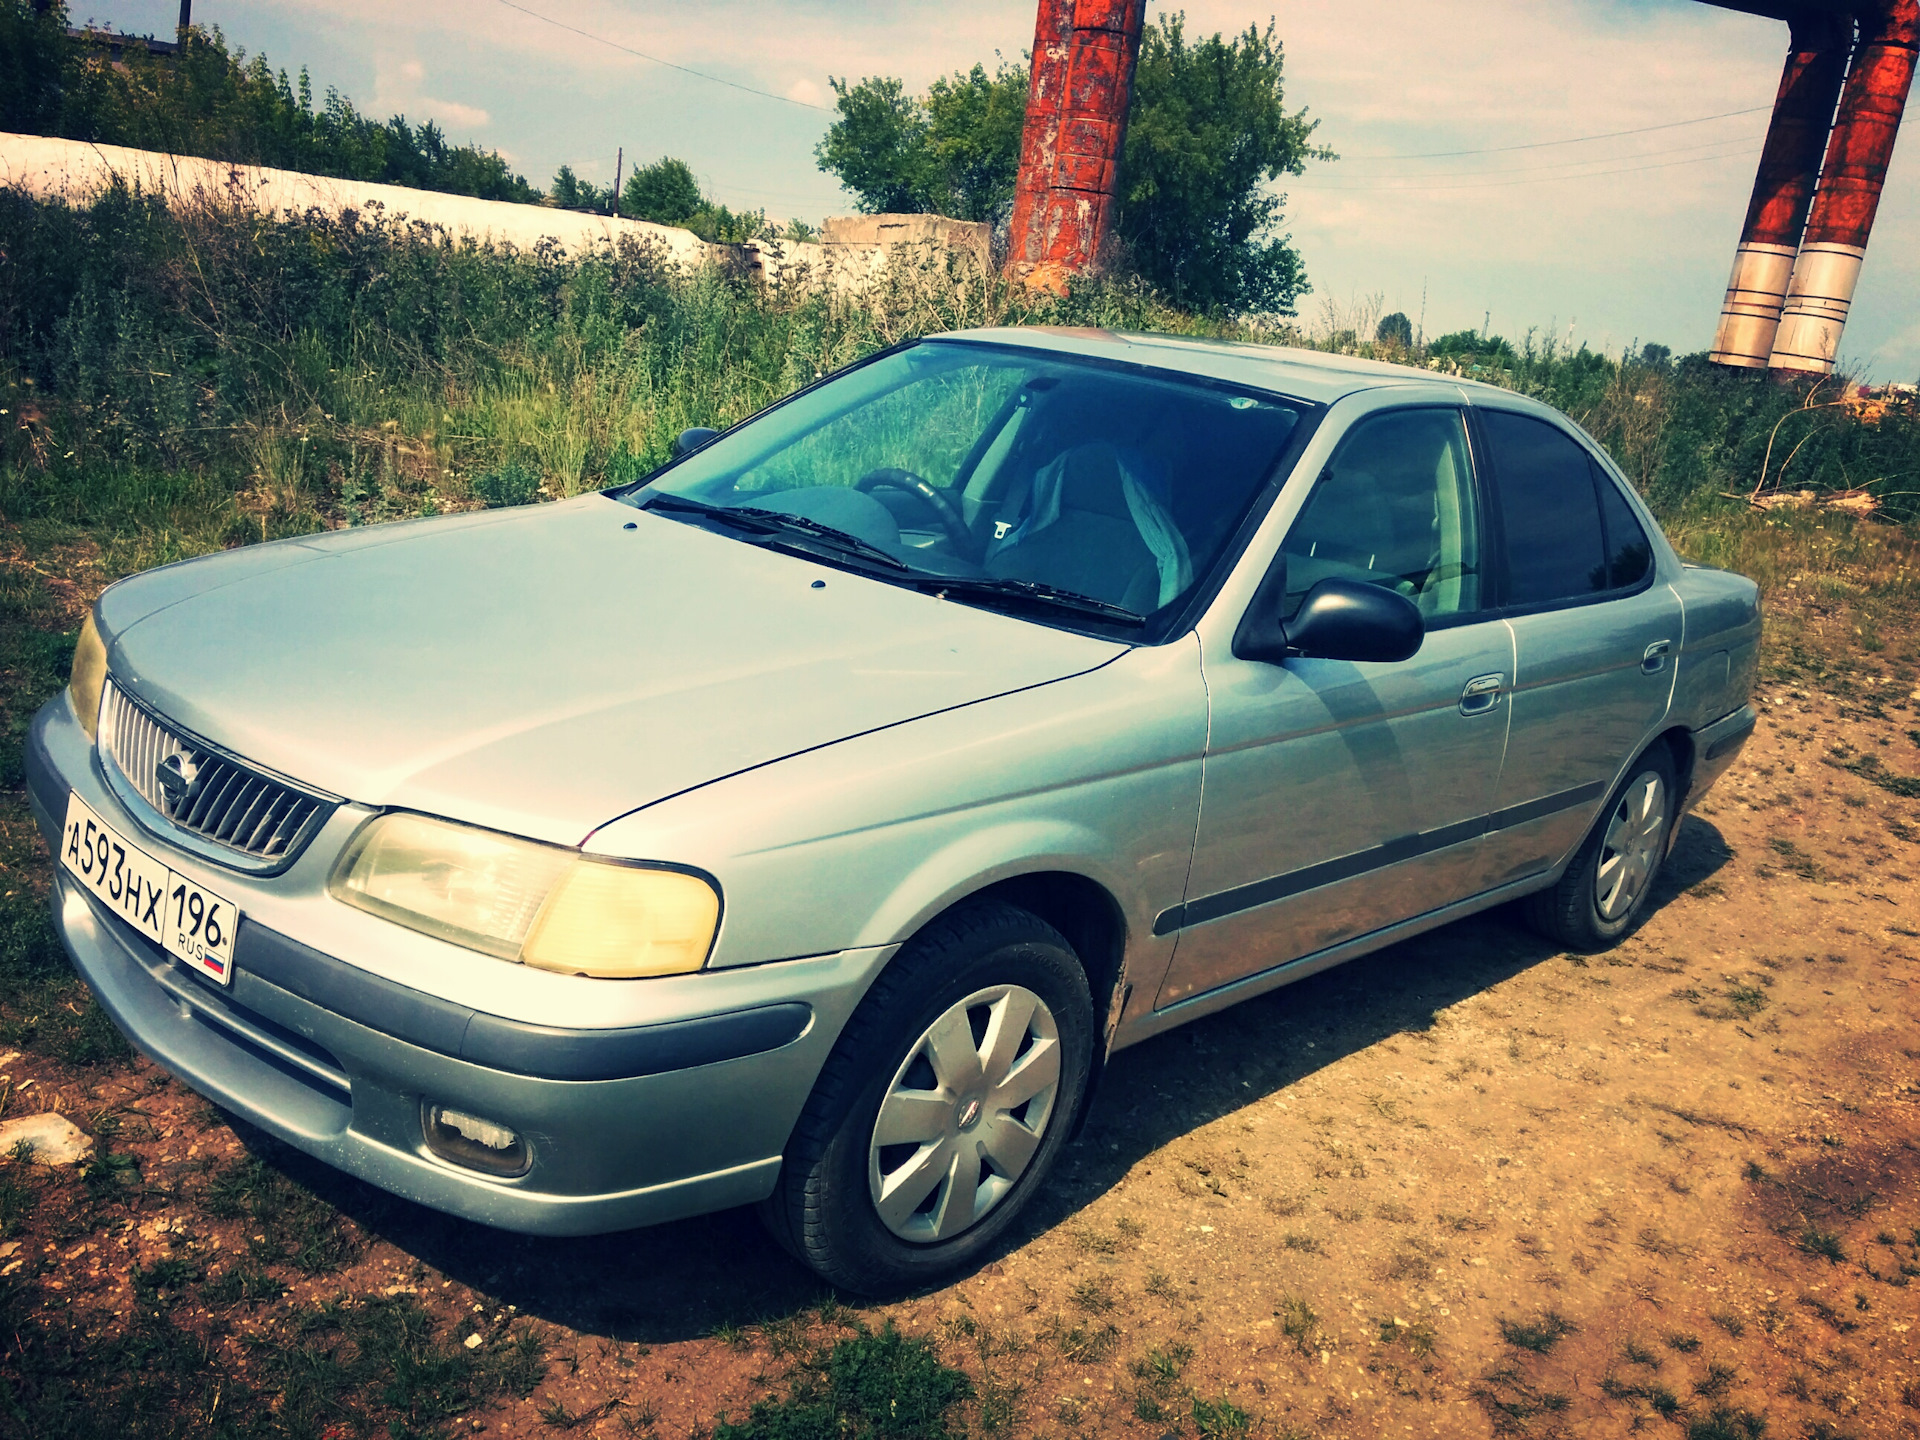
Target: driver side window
1395 508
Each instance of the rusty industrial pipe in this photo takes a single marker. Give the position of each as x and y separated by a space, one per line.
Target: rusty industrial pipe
1783 190
1084 53
1851 179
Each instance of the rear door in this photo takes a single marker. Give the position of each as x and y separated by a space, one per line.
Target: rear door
1339 797
1594 637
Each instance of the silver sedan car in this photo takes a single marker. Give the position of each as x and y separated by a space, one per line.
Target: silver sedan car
809 825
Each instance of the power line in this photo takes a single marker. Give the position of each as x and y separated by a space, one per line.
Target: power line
1504 184
656 60
1555 165
1576 140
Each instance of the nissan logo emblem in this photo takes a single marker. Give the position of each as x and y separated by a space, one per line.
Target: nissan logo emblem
175 776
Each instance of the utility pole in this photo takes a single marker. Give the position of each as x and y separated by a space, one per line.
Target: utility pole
619 164
186 20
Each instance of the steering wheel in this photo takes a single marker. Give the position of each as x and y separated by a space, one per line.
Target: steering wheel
944 511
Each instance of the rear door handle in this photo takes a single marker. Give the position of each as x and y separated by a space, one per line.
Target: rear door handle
1654 659
1481 694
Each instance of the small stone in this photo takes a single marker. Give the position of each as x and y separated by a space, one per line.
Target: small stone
55 1139
473 1342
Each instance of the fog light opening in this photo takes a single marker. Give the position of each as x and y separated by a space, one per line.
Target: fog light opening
474 1143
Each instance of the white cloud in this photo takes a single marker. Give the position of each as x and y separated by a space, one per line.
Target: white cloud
807 92
396 91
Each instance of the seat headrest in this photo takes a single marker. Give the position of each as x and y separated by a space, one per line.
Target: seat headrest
1091 482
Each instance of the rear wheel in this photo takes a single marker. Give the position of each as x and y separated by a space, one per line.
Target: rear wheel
942 1107
1607 885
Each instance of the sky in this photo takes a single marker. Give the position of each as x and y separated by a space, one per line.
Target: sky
1454 199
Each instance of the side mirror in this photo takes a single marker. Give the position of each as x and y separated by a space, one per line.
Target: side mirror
1338 620
692 439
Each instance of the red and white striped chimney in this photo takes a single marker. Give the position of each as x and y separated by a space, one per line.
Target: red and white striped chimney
1782 191
1855 171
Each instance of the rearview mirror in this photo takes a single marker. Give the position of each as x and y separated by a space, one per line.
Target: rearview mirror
691 439
1338 620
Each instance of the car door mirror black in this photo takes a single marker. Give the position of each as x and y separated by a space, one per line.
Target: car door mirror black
691 439
1337 620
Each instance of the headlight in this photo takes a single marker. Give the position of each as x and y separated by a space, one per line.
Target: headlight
89 676
538 904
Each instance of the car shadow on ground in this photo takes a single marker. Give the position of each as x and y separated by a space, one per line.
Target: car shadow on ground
687 1279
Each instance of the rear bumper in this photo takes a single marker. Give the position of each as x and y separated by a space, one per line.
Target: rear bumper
626 1127
1716 747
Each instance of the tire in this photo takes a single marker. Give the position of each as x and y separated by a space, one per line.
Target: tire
985 966
1586 911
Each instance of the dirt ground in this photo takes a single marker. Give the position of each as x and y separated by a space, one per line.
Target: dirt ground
1467 1186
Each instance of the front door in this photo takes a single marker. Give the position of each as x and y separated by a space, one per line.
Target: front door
1337 797
1594 632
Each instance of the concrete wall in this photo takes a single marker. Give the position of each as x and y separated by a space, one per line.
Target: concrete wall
854 252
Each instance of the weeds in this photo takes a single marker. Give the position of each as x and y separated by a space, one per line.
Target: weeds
287 1223
1822 1243
1724 1422
1299 1323
870 1386
1084 1344
1220 1419
1156 1378
19 1191
1093 1295
1539 1336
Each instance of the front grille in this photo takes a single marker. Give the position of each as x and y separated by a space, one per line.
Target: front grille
207 793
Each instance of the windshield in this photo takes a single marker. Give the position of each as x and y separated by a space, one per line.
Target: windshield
999 476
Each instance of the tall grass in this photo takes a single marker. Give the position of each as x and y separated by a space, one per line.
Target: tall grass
178 380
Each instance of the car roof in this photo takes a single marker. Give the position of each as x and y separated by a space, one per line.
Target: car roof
1312 375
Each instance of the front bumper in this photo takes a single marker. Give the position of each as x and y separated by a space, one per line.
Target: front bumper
627 1126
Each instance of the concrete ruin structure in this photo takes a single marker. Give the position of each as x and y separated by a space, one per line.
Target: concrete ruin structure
1849 68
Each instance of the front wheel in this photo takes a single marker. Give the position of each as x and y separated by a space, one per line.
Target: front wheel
1607 884
943 1106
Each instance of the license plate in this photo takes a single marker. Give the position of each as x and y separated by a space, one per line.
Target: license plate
182 916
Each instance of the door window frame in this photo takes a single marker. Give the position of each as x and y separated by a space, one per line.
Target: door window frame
1598 474
1484 535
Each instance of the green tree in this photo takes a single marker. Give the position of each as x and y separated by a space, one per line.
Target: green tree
33 50
1395 329
664 192
1207 132
954 151
878 146
667 193
974 122
570 192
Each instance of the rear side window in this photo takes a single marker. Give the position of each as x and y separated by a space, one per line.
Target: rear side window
1555 543
1629 552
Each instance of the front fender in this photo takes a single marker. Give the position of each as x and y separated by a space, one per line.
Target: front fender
861 842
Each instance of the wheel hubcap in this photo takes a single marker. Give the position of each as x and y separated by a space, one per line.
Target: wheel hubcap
964 1114
1631 851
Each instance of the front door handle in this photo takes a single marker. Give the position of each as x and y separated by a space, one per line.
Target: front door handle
1654 659
1481 694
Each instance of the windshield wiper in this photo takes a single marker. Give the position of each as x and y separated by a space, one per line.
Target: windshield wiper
1035 592
773 522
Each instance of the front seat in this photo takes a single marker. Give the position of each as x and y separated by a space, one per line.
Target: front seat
1079 533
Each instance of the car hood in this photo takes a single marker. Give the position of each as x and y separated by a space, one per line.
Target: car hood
542 671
